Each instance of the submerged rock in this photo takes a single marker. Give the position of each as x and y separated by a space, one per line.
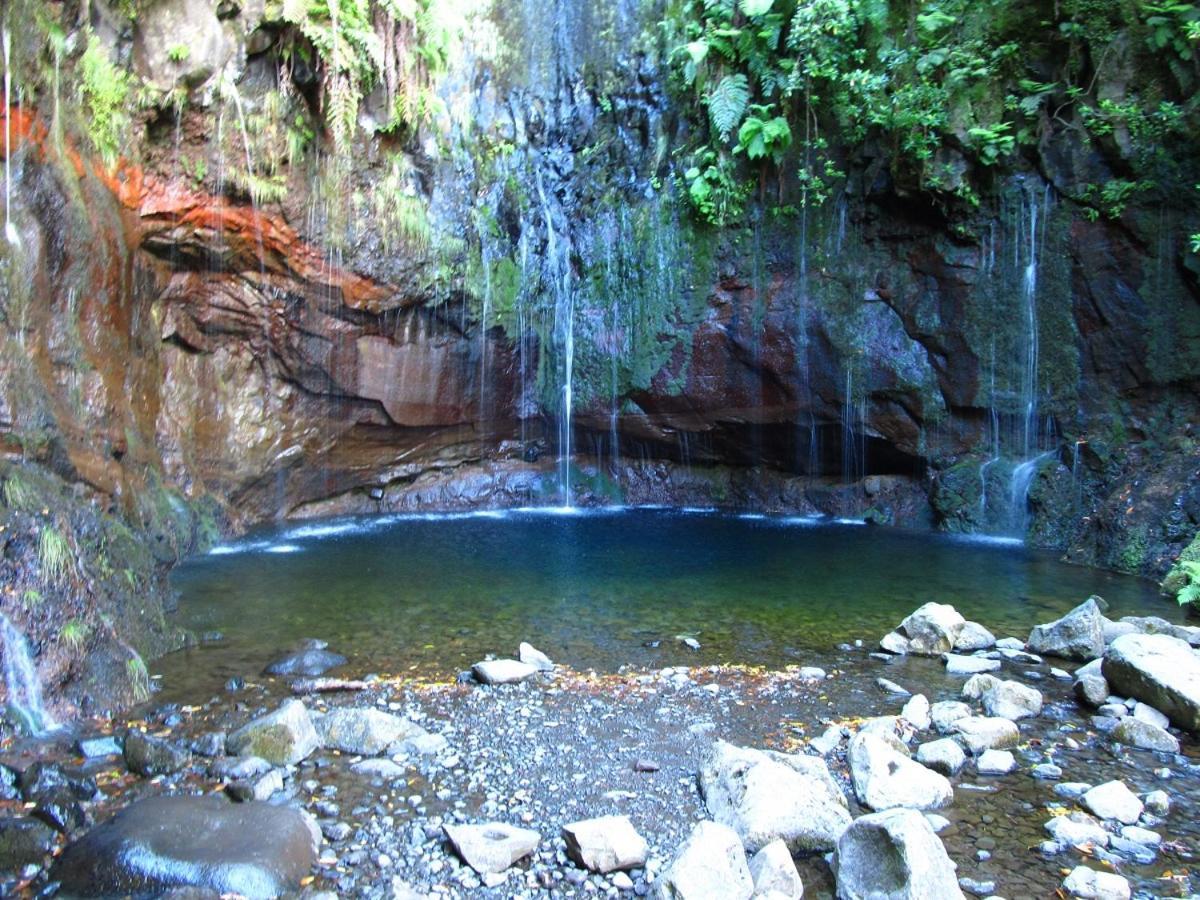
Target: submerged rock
1136 733
1077 635
1113 800
1159 670
493 847
884 779
894 854
605 844
252 849
711 864
308 662
282 737
1092 885
764 797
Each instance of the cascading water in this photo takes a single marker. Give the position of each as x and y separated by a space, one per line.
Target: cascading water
25 703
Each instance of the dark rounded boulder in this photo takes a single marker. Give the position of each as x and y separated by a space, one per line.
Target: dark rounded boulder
252 849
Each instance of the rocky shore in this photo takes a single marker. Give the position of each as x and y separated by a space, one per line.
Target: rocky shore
948 763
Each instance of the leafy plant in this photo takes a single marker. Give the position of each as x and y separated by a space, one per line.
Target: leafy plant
31 598
105 90
1189 594
178 52
727 103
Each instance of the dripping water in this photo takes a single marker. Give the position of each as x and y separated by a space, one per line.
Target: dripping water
10 229
25 704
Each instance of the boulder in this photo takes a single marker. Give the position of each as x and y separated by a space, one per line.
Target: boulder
1146 713
944 755
1093 885
932 629
979 733
366 732
308 662
1077 829
1159 670
532 656
884 779
1113 800
1092 690
282 737
605 844
995 762
492 847
1077 635
1189 634
974 636
23 842
765 797
180 42
711 865
1006 699
251 849
502 671
893 854
894 642
774 873
149 755
1133 732
916 712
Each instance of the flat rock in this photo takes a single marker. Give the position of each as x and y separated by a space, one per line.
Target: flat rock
306 662
969 665
492 847
711 865
605 844
1004 698
932 629
1159 670
979 733
1113 800
774 873
1189 634
532 656
944 755
1077 829
252 849
893 854
1146 713
884 779
1134 732
1092 885
282 737
93 748
1077 635
502 671
996 762
769 796
365 731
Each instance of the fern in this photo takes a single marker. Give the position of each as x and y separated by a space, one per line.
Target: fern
727 103
754 8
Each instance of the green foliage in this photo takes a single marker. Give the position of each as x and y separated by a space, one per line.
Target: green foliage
55 556
727 103
179 52
139 678
714 189
105 92
31 598
18 494
761 137
74 634
1188 570
398 212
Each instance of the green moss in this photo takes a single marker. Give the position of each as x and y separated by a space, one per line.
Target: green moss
1132 555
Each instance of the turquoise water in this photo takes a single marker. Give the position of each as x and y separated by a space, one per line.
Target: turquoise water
434 593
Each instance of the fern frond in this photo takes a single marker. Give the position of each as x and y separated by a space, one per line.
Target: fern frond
727 103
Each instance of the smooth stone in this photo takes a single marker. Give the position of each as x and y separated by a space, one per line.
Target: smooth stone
1004 698
1077 635
1113 800
996 762
932 629
605 844
1077 829
774 873
503 671
1010 643
979 733
917 712
309 662
1072 790
1092 885
532 656
945 713
974 636
1091 690
1158 802
1138 733
1138 853
1047 771
944 755
890 687
711 865
768 796
978 888
1161 671
493 847
884 779
282 738
893 854
364 731
238 768
1145 713
812 673
969 665
149 755
253 849
894 642
1141 835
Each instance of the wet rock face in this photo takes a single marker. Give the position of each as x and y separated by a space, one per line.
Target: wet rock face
252 849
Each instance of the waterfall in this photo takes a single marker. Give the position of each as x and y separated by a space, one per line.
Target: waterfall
10 229
21 681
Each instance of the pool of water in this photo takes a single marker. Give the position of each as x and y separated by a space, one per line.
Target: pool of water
434 593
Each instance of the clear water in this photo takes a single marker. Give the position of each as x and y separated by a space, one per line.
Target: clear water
435 593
